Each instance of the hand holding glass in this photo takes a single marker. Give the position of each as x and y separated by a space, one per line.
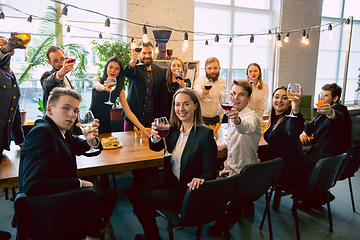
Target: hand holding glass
163 128
179 75
293 89
227 102
111 85
321 100
208 85
86 118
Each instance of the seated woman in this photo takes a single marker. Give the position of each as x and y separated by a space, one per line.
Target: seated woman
283 139
193 161
260 91
100 94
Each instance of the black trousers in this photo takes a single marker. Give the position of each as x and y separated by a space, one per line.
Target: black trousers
153 195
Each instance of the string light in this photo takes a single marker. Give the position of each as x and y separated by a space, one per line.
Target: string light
145 37
278 40
217 39
206 44
303 38
133 44
186 41
2 19
269 35
101 40
230 42
29 20
330 32
107 28
287 38
157 47
347 24
307 39
63 18
67 34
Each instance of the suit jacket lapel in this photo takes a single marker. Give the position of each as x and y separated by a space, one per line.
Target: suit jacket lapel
187 150
173 139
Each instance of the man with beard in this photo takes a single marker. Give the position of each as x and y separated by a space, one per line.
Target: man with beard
331 129
10 118
209 99
145 92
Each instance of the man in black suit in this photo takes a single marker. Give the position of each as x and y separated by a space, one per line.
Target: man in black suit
47 160
57 76
10 118
146 89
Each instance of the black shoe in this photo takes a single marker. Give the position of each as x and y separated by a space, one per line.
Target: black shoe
4 235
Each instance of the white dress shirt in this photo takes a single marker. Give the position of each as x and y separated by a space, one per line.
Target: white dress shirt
242 142
209 109
259 99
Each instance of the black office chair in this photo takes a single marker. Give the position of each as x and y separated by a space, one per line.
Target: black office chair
67 215
259 179
321 179
202 205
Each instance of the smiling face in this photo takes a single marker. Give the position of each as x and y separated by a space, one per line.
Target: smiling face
185 108
254 72
280 102
57 59
176 65
64 113
113 69
241 98
146 55
212 71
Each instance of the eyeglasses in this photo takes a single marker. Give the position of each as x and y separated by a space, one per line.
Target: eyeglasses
57 61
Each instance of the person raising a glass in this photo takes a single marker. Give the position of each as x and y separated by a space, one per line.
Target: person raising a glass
193 161
104 92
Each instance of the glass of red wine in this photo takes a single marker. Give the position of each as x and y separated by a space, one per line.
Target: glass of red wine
179 75
227 102
208 85
137 45
163 128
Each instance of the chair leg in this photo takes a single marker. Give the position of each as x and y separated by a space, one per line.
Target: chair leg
114 181
294 209
267 209
199 231
6 191
171 233
329 212
13 192
277 200
263 220
351 195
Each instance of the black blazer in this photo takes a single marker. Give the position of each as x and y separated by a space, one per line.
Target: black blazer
199 158
47 160
137 87
48 82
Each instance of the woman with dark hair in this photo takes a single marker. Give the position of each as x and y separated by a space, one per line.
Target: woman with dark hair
172 83
260 90
114 68
283 138
193 161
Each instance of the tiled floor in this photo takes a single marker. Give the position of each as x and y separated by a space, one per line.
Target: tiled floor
313 224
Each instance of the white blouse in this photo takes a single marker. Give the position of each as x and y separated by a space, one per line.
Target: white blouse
259 99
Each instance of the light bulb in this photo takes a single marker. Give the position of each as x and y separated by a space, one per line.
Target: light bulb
2 19
347 24
184 49
303 38
278 40
63 18
185 44
206 45
67 34
145 37
101 40
330 32
230 42
217 39
269 35
287 38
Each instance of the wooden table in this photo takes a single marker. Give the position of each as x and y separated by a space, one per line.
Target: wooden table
132 155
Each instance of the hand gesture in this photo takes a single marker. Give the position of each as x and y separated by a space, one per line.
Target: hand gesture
205 92
85 183
154 131
195 183
147 131
134 56
325 109
221 147
295 101
233 115
12 43
93 132
304 138
104 87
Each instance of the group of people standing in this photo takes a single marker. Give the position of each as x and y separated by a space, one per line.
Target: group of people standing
153 93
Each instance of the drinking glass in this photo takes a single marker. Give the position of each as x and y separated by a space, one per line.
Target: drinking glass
25 36
321 100
293 89
86 117
208 85
250 79
227 102
179 75
163 128
137 45
112 86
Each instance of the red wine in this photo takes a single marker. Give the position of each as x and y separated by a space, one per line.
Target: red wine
178 77
138 49
163 132
71 60
208 87
227 106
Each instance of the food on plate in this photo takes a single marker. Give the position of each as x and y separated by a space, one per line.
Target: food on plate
110 142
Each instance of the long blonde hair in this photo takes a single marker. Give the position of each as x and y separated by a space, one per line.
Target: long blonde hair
198 120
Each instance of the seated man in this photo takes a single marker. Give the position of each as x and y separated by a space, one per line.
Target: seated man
242 144
47 161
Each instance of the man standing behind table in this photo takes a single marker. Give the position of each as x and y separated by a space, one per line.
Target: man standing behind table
10 118
47 160
242 144
56 77
210 109
331 129
145 95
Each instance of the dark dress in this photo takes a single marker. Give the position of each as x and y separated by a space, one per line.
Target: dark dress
284 142
101 110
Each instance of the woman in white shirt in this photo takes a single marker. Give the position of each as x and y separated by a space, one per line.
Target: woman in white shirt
193 161
260 90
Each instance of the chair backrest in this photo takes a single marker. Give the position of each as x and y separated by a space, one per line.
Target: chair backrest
306 107
259 177
208 202
59 216
324 173
353 163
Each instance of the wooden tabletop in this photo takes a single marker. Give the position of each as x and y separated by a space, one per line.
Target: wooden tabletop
132 155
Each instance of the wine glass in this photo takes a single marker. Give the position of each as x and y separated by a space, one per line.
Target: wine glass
250 79
321 100
227 102
163 128
179 75
137 45
86 117
293 89
208 85
112 85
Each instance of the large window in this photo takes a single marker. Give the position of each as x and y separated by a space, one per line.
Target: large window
332 53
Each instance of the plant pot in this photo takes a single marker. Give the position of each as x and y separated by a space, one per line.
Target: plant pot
23 117
116 114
